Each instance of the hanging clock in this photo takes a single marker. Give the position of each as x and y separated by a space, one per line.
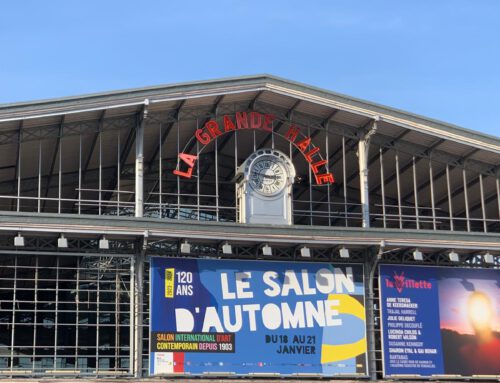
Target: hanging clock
268 175
264 188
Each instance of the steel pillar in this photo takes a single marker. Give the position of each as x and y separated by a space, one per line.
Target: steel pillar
371 267
132 295
363 149
138 314
139 161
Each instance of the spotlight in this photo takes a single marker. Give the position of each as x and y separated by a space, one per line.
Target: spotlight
227 249
103 243
417 255
453 256
305 252
267 250
343 252
488 258
185 247
19 240
62 241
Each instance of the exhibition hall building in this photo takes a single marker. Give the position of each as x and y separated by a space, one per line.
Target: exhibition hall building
249 227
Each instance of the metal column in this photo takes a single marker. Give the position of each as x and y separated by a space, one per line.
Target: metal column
132 295
371 265
363 149
138 314
139 161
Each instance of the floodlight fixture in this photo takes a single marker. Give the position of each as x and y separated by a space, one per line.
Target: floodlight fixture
103 243
343 252
62 241
305 252
19 240
227 248
185 247
417 255
267 250
453 255
489 258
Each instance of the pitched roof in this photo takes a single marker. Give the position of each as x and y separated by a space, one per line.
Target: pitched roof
263 82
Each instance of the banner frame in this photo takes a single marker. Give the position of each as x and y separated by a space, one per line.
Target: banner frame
366 372
382 327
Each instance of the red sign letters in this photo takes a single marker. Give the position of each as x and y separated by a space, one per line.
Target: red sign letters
264 122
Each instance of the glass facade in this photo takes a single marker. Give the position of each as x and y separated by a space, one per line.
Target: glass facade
64 313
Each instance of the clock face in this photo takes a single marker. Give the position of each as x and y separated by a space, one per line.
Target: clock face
268 175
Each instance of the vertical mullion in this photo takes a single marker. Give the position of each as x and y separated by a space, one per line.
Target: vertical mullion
35 313
344 180
80 174
382 186
39 175
291 159
13 323
327 143
197 182
117 319
18 208
433 202
272 135
466 198
178 178
450 204
197 177
498 196
415 193
56 316
100 169
59 186
97 320
118 172
132 315
483 207
217 178
77 302
310 187
398 184
160 175
236 213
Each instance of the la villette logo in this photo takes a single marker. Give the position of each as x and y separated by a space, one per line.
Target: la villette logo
400 282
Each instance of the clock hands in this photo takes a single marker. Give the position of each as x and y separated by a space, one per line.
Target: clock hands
269 176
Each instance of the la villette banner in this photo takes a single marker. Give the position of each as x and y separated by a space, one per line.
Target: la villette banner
247 317
440 321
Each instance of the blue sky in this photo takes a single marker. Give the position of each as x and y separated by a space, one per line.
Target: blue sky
440 58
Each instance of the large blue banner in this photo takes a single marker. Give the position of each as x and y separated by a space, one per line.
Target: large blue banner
440 321
251 317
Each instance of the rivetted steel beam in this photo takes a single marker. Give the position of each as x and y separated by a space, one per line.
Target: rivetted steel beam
136 227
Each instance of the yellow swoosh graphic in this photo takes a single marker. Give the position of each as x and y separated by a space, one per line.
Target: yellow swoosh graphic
333 353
